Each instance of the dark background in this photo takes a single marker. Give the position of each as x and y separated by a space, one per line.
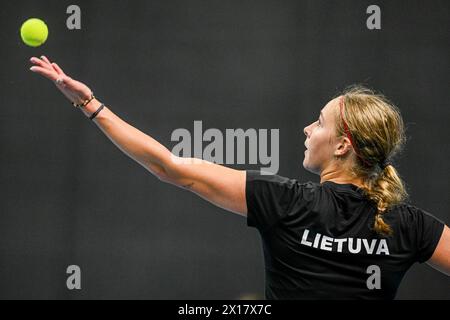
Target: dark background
69 196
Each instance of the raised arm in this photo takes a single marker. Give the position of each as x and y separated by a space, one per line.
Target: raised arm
222 186
440 260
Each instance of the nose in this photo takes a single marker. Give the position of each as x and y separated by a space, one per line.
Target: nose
305 131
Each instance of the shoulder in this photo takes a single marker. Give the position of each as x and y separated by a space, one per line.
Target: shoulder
266 177
409 218
409 213
271 197
257 181
258 177
420 228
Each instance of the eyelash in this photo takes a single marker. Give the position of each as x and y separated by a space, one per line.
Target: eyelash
318 123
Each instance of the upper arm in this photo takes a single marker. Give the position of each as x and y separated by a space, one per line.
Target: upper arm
220 185
440 260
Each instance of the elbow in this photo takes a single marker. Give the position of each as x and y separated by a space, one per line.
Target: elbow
159 172
162 174
164 177
173 181
167 177
173 171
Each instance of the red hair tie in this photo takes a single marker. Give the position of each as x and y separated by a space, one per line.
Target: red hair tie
347 131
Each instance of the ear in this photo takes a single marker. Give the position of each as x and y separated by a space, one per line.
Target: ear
343 146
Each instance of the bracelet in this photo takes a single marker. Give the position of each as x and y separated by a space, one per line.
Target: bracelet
85 103
97 112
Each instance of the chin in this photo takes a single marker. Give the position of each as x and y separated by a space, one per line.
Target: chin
310 168
306 166
306 163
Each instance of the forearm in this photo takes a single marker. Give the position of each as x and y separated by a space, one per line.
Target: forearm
222 186
137 145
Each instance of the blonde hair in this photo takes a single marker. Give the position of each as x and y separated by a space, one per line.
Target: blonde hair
376 127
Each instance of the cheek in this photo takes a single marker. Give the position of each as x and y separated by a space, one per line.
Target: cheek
320 143
318 138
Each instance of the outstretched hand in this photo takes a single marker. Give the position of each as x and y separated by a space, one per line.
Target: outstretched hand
76 91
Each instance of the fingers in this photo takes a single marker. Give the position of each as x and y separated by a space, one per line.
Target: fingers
51 71
47 69
54 66
58 69
41 63
49 74
46 60
45 63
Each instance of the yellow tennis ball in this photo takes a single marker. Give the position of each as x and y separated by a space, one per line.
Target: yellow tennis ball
34 32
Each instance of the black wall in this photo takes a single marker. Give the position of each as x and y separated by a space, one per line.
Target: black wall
69 196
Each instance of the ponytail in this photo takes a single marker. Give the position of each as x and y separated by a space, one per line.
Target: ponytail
375 128
385 189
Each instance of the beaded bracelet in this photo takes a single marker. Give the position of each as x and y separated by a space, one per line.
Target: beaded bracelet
85 103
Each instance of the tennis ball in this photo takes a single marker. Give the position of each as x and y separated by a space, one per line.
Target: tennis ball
34 32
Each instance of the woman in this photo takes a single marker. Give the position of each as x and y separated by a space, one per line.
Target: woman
349 236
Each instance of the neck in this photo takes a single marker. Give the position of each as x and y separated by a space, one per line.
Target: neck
339 175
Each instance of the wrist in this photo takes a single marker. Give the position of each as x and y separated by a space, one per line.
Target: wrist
91 107
84 102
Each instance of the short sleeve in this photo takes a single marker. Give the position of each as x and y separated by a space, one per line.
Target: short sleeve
426 231
429 233
269 198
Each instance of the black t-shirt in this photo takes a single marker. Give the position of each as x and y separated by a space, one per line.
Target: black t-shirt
319 243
